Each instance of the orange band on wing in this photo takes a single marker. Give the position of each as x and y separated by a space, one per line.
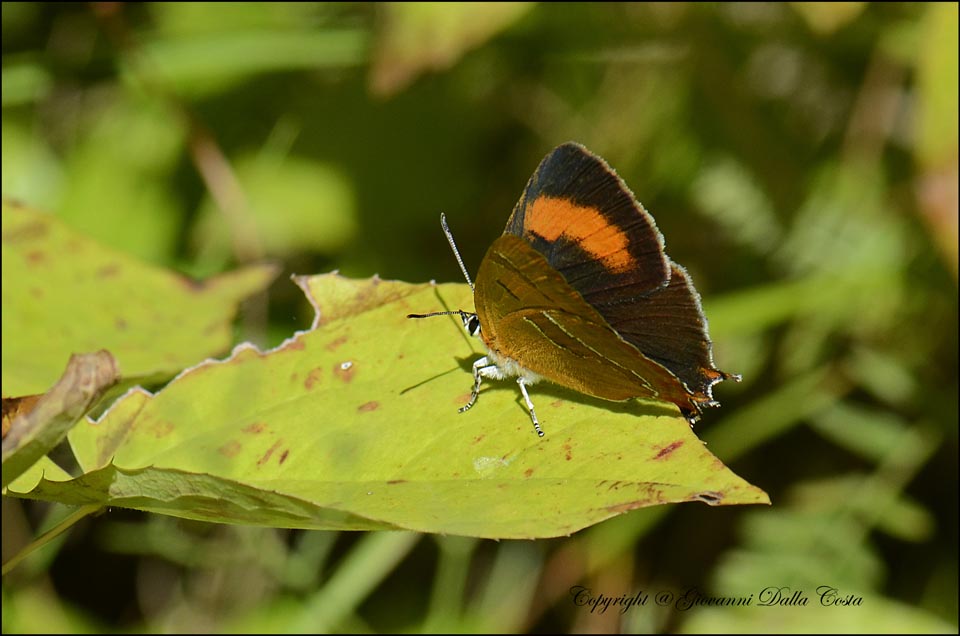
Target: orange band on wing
589 229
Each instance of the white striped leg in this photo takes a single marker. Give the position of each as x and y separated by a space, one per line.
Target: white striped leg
526 396
482 368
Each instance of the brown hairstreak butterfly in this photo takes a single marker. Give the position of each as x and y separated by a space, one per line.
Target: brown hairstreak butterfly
579 291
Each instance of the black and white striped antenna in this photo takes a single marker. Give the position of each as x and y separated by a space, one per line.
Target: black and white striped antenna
453 246
464 315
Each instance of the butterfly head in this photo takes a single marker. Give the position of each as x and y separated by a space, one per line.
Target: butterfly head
471 323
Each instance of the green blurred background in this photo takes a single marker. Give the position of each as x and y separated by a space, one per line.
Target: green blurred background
800 160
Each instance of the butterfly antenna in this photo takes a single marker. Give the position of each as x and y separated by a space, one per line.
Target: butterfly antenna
458 312
453 246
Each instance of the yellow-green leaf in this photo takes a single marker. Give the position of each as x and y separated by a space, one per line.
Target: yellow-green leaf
354 424
63 293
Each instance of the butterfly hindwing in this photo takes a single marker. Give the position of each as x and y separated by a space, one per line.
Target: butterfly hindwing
530 313
669 327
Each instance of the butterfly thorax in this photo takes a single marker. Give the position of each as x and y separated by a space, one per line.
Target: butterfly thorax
505 366
510 368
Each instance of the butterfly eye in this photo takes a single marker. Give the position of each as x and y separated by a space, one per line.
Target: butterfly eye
472 324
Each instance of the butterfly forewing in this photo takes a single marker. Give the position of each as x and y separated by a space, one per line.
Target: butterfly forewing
583 218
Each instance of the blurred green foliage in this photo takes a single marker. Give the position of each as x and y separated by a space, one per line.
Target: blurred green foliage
800 159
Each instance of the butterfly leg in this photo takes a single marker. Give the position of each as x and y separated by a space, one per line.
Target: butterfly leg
533 416
482 368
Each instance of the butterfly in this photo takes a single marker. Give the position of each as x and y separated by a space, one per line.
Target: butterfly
579 291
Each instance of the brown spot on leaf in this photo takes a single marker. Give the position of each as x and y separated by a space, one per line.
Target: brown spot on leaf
162 429
335 344
528 473
108 271
283 455
313 378
669 449
255 427
266 456
479 438
230 449
296 345
345 371
35 257
654 493
627 506
568 451
650 495
32 231
397 481
369 406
